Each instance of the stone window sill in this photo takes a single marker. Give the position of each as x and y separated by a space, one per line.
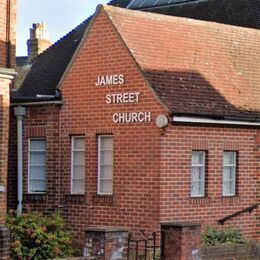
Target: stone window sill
32 198
199 200
103 199
75 198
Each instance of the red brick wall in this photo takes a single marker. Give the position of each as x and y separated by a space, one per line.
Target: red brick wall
176 203
136 153
151 166
40 122
7 32
4 132
258 184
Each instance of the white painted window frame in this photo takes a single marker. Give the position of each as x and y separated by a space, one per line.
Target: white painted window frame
29 164
99 155
72 163
203 165
229 165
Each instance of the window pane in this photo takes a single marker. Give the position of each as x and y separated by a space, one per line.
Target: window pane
106 172
78 165
197 157
37 166
197 173
37 172
106 186
197 188
37 145
78 186
105 175
229 158
229 188
79 143
106 143
78 158
229 173
37 185
37 158
106 157
78 172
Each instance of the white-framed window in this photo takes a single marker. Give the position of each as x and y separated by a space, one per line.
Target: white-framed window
37 165
198 174
105 164
77 164
229 173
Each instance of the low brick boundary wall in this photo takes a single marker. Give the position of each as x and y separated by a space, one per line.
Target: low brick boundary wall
234 252
4 243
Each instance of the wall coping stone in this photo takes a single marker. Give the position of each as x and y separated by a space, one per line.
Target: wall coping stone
180 224
106 229
231 248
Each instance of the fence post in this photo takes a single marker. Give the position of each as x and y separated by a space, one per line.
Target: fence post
4 243
181 240
106 243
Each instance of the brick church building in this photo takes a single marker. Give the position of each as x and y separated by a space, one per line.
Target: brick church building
134 119
7 73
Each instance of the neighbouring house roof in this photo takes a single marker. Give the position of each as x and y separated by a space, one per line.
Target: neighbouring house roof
174 56
21 61
245 13
48 67
195 67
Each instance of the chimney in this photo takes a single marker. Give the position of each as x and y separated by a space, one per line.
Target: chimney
38 42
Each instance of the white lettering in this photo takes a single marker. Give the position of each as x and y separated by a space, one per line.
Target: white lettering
115 118
115 80
135 117
121 79
118 98
110 80
102 81
108 99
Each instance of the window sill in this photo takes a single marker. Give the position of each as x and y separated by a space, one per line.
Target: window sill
75 198
103 199
35 197
230 199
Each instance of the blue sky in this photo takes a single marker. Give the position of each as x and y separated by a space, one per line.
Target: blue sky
60 16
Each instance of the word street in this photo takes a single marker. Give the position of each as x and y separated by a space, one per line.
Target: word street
122 98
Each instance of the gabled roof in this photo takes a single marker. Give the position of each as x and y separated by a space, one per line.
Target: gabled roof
195 67
49 67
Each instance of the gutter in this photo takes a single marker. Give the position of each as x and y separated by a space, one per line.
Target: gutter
38 103
7 73
207 120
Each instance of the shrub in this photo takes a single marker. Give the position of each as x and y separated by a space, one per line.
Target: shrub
34 236
214 237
